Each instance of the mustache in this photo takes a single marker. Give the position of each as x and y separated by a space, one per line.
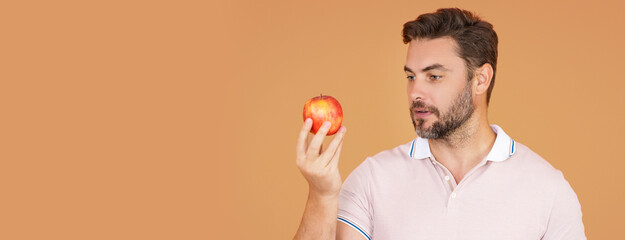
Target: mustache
421 104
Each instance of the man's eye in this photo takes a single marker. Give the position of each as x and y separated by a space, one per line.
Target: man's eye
410 78
435 77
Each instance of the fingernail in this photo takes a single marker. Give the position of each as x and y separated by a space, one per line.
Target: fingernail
343 129
326 124
308 120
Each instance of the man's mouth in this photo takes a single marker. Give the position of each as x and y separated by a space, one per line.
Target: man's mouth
421 113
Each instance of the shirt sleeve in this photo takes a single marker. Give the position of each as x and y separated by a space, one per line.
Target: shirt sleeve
565 220
354 200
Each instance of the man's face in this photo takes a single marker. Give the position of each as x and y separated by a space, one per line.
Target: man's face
439 92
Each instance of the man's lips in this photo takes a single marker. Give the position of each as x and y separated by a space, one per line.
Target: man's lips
421 113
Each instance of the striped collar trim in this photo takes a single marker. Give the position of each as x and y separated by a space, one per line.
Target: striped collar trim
503 148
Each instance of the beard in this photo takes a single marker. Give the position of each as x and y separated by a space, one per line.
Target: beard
458 114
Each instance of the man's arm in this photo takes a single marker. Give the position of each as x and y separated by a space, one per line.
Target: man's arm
319 221
565 220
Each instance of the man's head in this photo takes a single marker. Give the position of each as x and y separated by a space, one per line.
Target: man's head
451 63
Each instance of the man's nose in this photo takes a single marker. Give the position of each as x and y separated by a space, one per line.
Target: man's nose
417 89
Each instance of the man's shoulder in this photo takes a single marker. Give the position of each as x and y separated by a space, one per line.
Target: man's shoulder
525 160
386 162
389 159
400 152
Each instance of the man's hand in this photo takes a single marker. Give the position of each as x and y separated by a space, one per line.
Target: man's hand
320 168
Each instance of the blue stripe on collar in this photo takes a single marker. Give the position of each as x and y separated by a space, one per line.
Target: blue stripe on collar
412 148
512 149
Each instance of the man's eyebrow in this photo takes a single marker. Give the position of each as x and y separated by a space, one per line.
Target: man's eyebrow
428 68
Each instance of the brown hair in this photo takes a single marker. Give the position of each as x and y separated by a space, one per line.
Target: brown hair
476 39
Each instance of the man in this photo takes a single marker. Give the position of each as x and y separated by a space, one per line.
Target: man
462 178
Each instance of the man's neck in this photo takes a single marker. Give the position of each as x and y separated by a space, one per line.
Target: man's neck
465 147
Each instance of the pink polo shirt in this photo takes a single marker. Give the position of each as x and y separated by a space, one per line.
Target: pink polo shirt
404 193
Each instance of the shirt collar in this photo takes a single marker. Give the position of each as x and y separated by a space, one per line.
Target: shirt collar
503 148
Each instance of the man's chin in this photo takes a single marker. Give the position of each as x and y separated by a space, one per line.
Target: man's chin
421 131
423 125
424 129
422 134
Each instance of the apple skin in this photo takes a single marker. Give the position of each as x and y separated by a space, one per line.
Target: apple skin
324 108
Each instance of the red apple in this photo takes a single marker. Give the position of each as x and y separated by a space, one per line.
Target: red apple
324 108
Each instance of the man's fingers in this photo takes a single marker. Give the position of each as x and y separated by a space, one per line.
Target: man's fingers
330 152
302 142
334 162
315 144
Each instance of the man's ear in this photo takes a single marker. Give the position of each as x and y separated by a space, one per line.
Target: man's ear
484 75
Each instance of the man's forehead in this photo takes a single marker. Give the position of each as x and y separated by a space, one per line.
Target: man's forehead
427 54
432 47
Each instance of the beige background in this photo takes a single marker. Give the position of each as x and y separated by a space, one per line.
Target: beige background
178 120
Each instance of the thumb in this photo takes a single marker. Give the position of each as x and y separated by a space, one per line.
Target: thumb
334 162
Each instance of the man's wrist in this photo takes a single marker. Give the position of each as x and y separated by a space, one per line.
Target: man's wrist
323 197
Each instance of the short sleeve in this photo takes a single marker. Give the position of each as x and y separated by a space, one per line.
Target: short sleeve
354 200
565 220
